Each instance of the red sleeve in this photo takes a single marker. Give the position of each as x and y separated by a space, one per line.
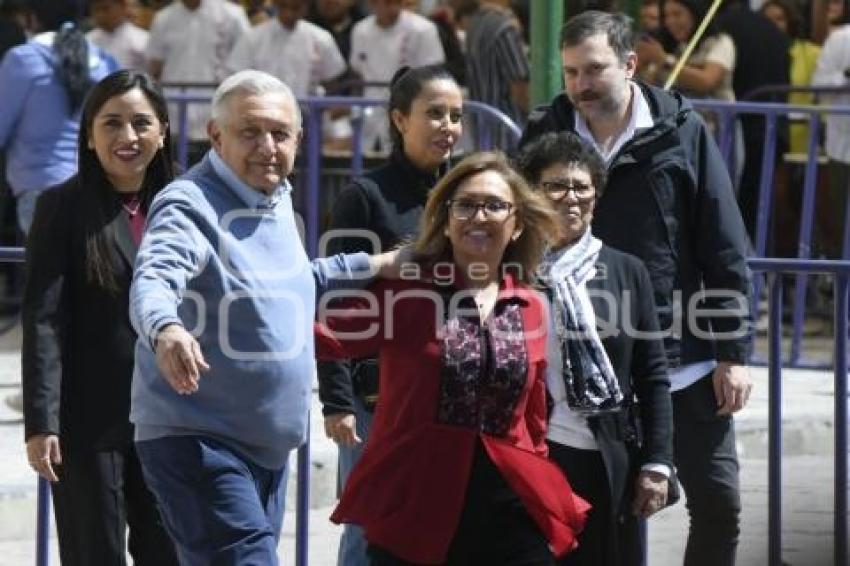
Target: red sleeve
348 324
536 410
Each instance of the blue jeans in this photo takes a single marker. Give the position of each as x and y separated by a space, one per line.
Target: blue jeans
218 507
352 544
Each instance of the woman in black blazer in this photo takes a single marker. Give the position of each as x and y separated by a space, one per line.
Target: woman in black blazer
78 344
610 419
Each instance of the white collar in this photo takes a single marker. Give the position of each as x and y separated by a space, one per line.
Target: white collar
640 118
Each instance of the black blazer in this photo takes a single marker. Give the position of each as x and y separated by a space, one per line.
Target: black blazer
77 356
641 368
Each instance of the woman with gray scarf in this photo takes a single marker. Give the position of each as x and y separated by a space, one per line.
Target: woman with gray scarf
610 421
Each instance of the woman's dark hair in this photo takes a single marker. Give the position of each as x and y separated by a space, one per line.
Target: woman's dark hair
698 10
792 16
561 148
407 83
102 200
69 44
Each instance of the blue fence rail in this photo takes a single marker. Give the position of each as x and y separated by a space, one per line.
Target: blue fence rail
775 270
772 112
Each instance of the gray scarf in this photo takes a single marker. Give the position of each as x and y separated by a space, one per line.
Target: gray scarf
589 378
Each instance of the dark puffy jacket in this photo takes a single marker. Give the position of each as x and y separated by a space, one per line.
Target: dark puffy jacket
669 201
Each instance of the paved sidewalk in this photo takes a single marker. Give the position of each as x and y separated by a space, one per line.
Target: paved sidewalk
807 480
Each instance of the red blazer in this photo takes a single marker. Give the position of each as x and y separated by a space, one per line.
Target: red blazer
408 489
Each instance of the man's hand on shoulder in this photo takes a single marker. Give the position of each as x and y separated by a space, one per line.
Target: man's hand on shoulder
389 265
179 358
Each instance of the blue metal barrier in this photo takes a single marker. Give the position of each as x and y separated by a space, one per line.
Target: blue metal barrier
728 111
775 269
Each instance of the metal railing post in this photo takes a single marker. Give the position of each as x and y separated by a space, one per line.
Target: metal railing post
842 558
42 534
774 463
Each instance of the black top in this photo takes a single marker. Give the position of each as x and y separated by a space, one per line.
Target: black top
78 343
341 33
388 202
761 50
669 201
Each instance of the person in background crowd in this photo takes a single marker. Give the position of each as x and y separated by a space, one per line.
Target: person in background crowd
650 16
836 15
803 58
42 86
14 27
708 71
223 239
833 70
610 425
14 24
456 469
189 42
257 11
787 196
338 18
425 108
452 46
761 59
116 34
299 53
497 71
381 44
77 355
669 201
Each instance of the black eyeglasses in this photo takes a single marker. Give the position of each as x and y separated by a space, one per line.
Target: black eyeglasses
493 209
558 189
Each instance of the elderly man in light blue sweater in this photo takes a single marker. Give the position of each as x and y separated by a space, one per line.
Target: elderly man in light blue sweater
223 299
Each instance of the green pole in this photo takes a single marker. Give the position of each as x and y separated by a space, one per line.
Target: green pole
546 19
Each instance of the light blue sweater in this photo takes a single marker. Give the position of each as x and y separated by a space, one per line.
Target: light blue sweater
227 262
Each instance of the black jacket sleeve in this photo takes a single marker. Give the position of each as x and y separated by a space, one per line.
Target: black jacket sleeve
650 379
540 121
44 314
721 250
351 211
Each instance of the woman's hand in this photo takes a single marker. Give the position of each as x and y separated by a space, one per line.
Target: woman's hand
342 429
42 453
650 494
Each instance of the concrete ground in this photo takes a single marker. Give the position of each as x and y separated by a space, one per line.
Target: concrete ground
807 480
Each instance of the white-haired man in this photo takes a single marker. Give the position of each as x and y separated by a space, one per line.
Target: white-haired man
223 287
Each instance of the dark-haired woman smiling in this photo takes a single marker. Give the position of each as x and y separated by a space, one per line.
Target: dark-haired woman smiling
78 343
425 110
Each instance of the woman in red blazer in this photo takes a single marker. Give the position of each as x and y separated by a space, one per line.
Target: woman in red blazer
456 470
